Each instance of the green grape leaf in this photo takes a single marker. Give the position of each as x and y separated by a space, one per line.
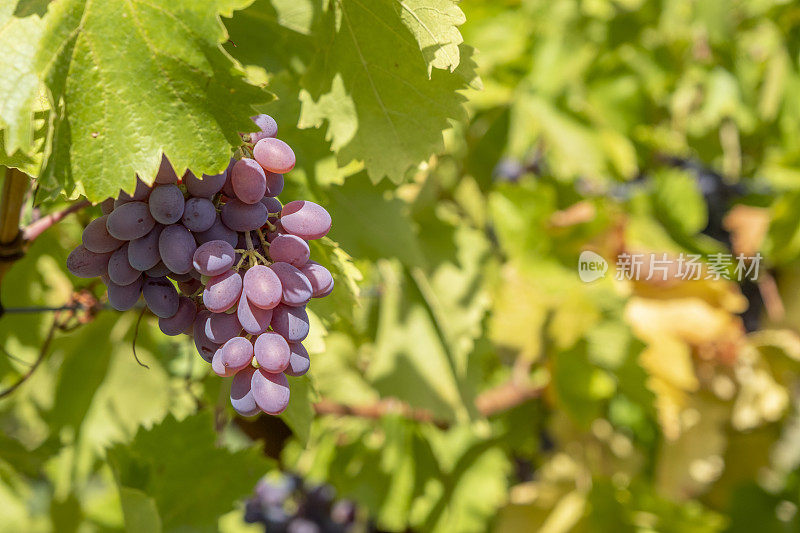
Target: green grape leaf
300 412
388 114
140 511
434 24
19 83
136 79
177 465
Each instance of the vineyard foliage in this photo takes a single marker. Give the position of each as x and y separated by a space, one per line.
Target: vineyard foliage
467 152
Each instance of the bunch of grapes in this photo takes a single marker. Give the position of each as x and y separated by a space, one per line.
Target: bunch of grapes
219 258
287 504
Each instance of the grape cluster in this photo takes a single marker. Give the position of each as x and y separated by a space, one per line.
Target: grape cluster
288 505
239 258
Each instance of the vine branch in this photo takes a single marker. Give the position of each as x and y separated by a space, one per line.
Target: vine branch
490 402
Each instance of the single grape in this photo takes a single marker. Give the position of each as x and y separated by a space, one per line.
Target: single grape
270 391
274 185
143 252
221 327
305 219
213 258
130 221
232 357
140 194
181 320
222 291
206 187
240 216
119 269
166 174
266 125
319 277
249 181
241 397
273 205
158 271
97 239
180 277
198 214
299 362
191 287
296 289
217 232
161 297
205 347
227 187
166 204
262 287
272 352
107 206
254 320
177 246
274 155
124 297
289 249
291 323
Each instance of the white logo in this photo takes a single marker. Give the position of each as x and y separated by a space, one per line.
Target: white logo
591 266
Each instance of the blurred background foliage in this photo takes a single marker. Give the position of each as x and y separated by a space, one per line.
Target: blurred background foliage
463 377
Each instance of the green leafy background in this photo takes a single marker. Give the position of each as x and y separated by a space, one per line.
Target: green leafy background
468 152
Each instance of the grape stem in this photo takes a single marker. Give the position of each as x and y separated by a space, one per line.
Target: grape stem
264 242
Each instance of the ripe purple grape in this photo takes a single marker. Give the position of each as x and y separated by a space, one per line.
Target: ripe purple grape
191 287
143 252
272 352
305 219
274 155
166 174
273 205
299 362
296 289
240 216
222 291
205 347
221 327
248 180
262 287
254 320
161 297
241 396
289 249
319 277
119 269
177 246
198 214
291 323
97 239
274 185
206 187
233 356
266 125
181 320
166 204
213 258
107 206
270 391
124 297
158 271
140 194
217 232
130 221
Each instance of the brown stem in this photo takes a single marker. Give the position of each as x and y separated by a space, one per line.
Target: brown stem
35 229
490 402
15 185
